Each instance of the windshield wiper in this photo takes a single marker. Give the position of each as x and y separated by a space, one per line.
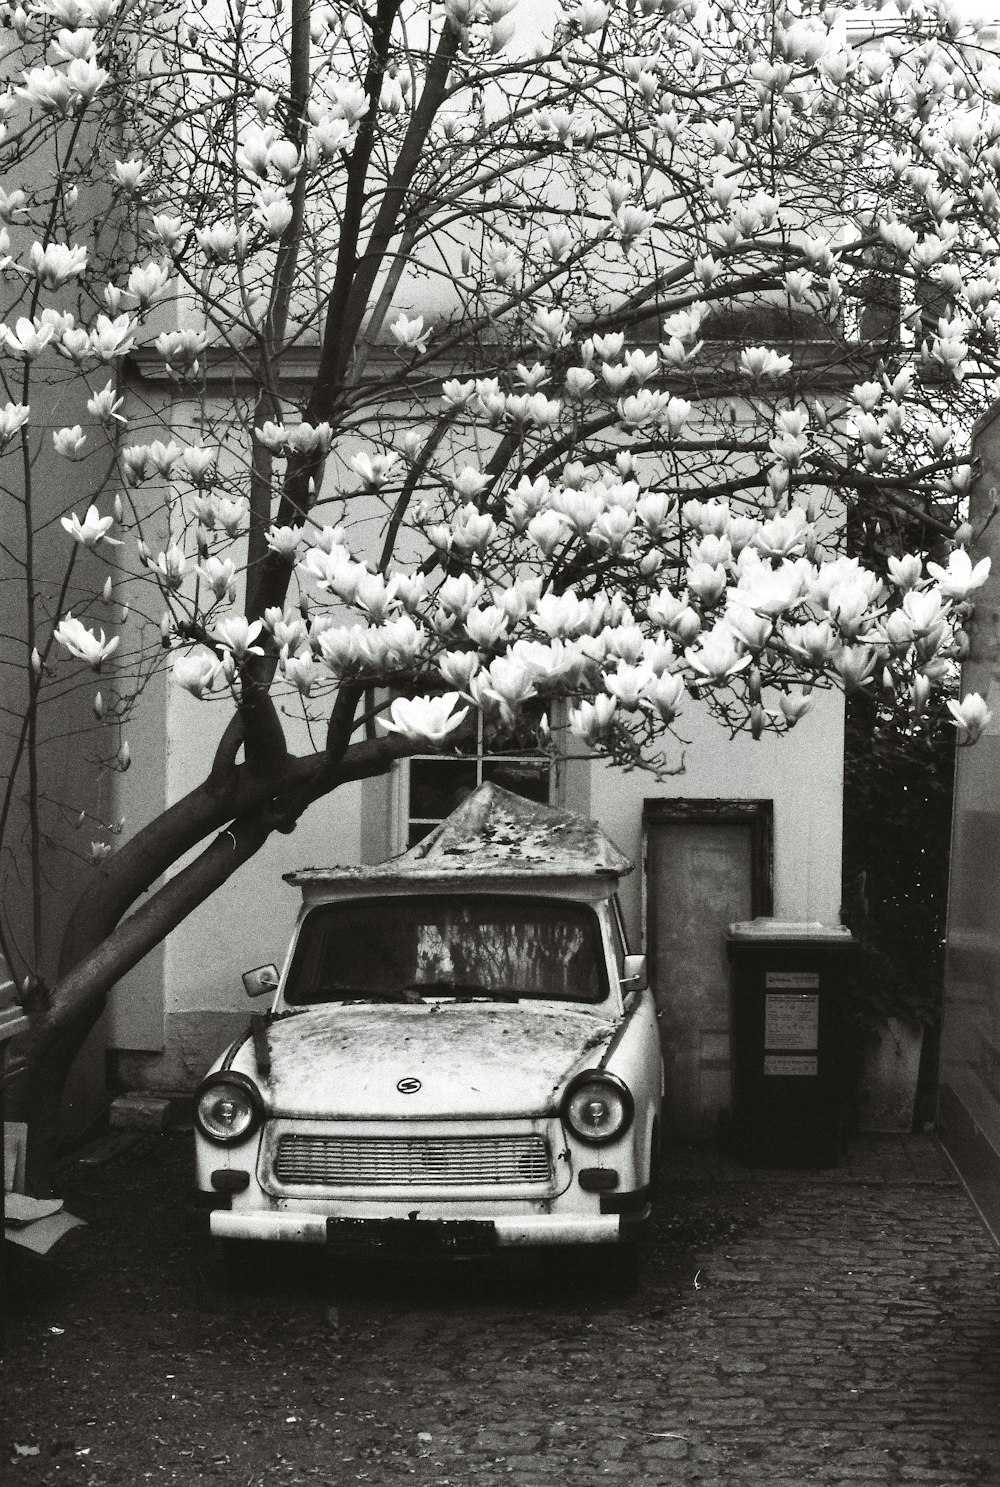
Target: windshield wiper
332 991
465 991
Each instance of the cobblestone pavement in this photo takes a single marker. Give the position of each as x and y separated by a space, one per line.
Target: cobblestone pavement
788 1328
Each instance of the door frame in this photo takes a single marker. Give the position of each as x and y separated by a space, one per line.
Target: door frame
691 811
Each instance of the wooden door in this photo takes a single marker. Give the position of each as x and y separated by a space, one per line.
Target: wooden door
707 864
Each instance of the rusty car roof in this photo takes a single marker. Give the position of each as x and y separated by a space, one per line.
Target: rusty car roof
493 834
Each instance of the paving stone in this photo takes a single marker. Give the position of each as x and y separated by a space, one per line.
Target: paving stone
845 1334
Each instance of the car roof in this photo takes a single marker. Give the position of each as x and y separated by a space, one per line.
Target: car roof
494 834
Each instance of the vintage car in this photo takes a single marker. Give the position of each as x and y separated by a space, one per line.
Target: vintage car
460 1053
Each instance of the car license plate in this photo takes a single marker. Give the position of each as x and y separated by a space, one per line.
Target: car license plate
413 1236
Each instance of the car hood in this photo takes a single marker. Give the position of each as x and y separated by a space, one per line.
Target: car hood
470 1059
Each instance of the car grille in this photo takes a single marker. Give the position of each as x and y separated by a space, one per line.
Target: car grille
412 1161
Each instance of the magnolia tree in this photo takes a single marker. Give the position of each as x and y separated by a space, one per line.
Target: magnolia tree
425 358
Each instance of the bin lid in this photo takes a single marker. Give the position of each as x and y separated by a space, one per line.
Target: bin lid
765 928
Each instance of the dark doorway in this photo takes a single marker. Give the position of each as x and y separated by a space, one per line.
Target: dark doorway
707 864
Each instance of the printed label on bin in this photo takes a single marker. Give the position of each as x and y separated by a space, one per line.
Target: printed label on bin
791 1021
790 1064
791 980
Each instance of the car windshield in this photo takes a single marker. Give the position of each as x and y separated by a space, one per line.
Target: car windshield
406 949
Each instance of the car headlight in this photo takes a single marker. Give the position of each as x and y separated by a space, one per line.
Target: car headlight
597 1107
228 1107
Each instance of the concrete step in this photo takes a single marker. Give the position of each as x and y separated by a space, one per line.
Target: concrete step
139 1111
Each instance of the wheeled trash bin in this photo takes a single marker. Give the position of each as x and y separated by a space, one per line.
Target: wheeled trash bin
789 1055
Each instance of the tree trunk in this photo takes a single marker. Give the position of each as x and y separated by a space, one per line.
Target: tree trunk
100 945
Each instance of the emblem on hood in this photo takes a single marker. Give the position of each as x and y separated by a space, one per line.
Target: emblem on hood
408 1086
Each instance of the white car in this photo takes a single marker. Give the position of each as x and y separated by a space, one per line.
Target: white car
460 1054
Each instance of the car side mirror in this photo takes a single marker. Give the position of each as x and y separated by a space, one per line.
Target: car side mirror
260 981
634 978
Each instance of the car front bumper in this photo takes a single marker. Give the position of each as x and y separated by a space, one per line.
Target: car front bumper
426 1235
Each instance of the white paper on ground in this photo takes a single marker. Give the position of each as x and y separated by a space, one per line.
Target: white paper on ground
19 1208
43 1233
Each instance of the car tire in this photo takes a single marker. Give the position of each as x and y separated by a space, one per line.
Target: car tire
655 1163
237 1264
604 1271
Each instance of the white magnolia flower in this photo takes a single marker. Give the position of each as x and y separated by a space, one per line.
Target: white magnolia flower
458 668
13 417
794 705
754 629
28 338
717 657
458 594
131 174
283 542
814 642
167 230
197 672
706 583
110 339
237 634
590 16
854 664
971 717
93 529
925 610
63 91
350 101
612 529
87 646
172 566
231 514
961 577
579 382
410 334
548 530
274 214
69 442
559 242
198 465
309 439
591 721
181 348
509 681
486 627
429 720
55 264
161 458
106 406
550 329
222 242
455 394
302 672
763 361
667 693
905 572
628 684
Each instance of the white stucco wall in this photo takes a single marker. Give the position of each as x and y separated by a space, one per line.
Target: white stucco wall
247 922
802 772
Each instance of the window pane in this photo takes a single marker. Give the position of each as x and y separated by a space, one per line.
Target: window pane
522 738
437 786
527 777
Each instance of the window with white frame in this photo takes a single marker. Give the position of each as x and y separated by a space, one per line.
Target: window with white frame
430 786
